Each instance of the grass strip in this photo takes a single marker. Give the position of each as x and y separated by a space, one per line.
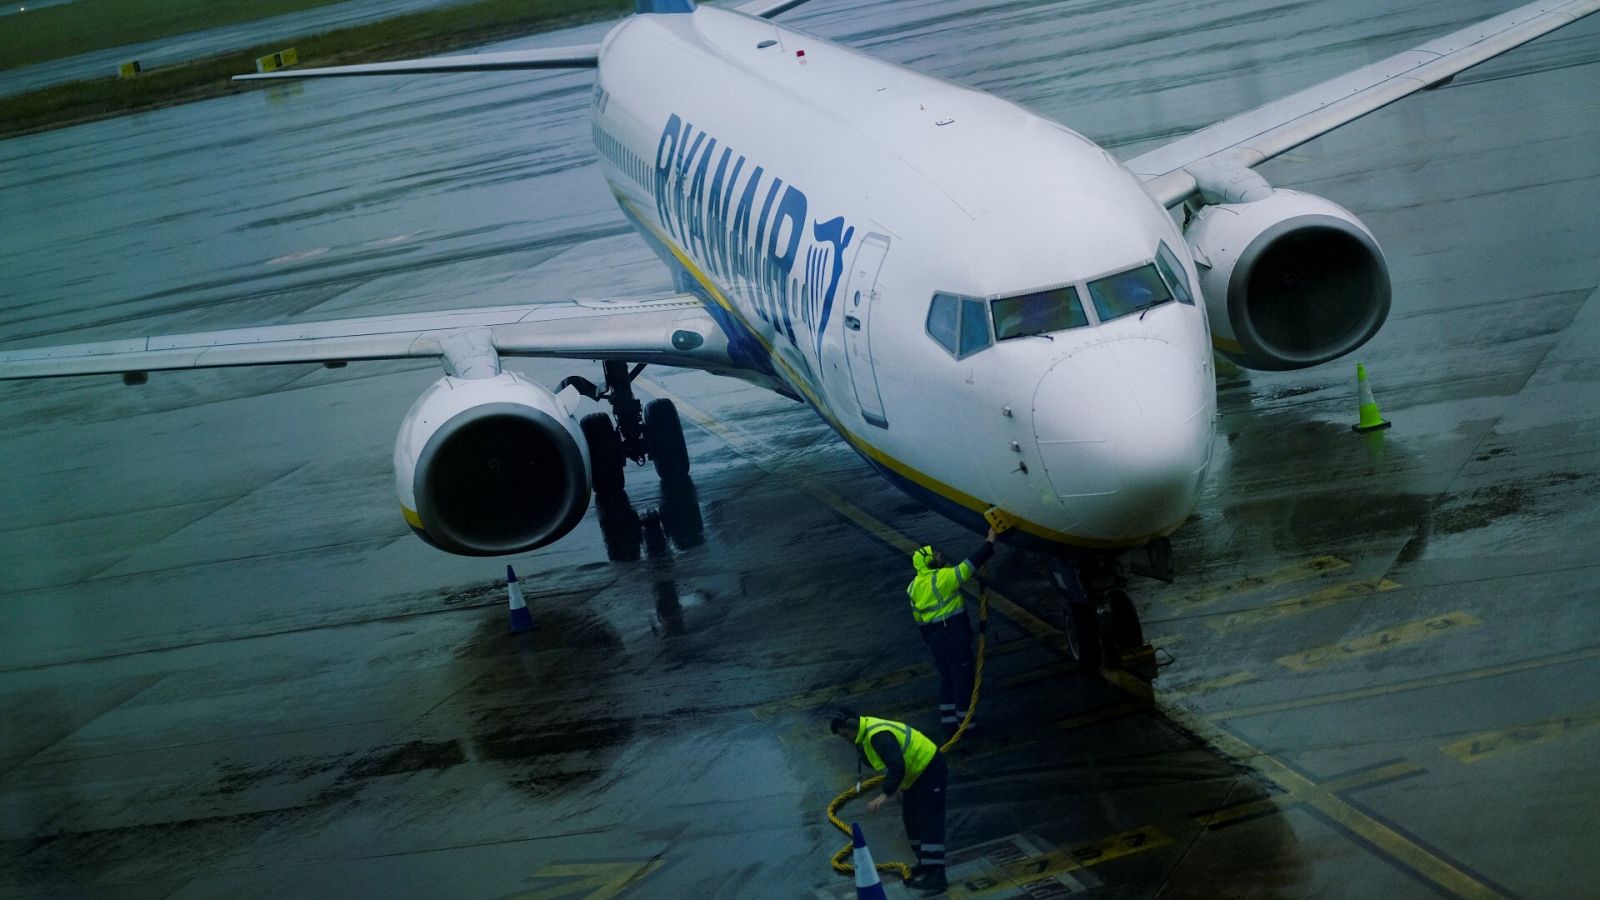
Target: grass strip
417 34
84 26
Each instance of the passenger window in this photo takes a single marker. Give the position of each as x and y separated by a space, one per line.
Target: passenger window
1037 313
943 321
1167 262
1128 292
974 327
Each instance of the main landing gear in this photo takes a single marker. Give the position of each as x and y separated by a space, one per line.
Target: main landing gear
650 432
1102 625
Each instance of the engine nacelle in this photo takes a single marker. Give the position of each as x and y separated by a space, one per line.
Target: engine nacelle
488 466
1290 280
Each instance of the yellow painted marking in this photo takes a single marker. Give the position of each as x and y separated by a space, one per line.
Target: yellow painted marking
1061 861
412 519
1415 684
1480 747
1298 605
1215 684
1393 844
1378 835
1221 817
1246 810
1311 568
590 881
1388 639
1121 711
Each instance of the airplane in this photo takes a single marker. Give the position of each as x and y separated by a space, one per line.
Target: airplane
992 310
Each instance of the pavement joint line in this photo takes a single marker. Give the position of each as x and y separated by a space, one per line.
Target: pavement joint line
1382 838
1416 684
299 629
1206 687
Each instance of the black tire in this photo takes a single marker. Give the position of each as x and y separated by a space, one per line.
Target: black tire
664 433
1120 631
605 454
1083 636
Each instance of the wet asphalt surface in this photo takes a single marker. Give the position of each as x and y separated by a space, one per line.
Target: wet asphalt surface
227 668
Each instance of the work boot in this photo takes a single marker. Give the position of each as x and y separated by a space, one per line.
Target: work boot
931 881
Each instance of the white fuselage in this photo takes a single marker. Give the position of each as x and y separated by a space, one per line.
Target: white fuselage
817 198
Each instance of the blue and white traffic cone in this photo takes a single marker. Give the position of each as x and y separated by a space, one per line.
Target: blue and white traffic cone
521 618
868 886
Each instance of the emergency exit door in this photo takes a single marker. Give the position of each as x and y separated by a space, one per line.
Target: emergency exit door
858 306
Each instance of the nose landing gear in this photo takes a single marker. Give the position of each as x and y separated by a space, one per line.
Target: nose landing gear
641 432
1102 625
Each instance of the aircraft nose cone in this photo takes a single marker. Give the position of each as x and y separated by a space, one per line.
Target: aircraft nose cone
1124 430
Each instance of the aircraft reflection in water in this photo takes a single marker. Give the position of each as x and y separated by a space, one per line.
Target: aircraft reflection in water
673 526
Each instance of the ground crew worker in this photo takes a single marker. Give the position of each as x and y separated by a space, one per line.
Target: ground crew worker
912 766
941 615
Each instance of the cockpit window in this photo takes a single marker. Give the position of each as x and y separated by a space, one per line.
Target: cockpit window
1056 309
1128 292
1167 262
958 324
974 327
943 320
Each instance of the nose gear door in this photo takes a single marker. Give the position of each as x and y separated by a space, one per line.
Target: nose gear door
861 297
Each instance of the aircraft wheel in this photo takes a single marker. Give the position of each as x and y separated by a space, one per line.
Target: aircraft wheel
1083 636
605 454
664 436
1119 626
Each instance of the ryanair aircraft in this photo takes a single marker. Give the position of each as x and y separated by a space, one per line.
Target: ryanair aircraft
903 254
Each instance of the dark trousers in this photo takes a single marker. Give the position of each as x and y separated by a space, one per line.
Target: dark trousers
923 812
951 644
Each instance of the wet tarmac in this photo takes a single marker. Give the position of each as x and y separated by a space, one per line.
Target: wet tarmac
227 668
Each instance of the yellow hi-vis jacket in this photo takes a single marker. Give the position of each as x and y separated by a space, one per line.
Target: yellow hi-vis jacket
936 593
915 746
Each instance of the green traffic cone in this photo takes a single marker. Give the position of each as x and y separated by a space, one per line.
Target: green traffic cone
1370 419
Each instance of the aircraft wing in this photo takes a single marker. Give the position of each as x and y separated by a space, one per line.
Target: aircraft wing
1254 137
586 56
672 330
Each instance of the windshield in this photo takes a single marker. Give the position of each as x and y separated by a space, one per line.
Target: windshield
1128 292
1054 310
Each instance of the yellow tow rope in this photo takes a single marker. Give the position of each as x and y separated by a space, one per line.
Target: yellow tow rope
861 787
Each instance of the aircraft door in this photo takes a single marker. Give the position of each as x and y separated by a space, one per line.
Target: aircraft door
860 299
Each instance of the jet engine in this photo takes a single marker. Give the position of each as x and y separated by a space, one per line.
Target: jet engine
1290 280
489 466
